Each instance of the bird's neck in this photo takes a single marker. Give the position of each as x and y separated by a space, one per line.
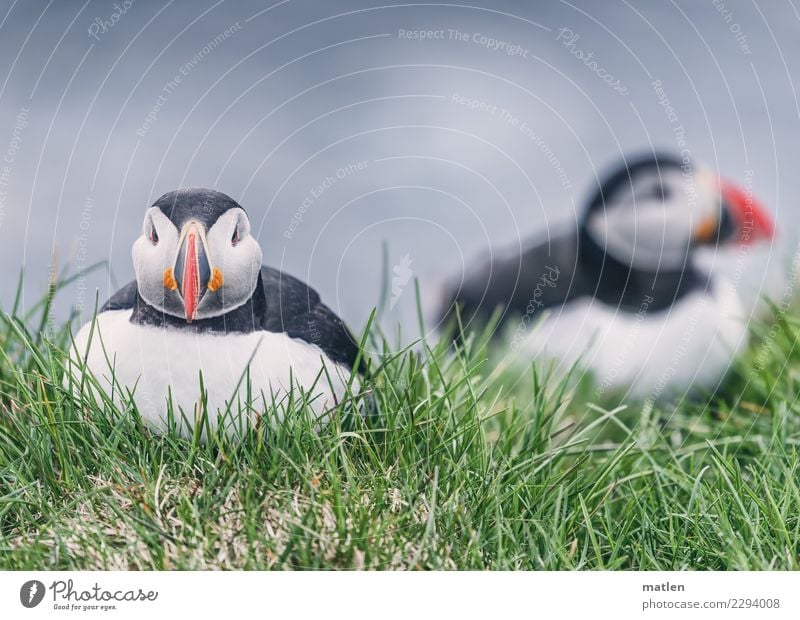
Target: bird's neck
630 288
245 319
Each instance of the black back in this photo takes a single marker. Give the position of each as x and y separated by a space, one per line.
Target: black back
280 303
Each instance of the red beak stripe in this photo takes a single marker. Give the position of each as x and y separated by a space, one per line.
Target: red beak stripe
191 278
752 219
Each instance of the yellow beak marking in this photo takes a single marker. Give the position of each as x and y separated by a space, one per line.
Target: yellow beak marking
169 280
216 280
706 230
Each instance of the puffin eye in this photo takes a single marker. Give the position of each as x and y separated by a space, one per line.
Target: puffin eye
153 236
235 236
662 192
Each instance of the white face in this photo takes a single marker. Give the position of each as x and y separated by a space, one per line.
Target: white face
653 220
195 273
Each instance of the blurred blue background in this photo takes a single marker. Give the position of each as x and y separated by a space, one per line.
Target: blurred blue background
344 130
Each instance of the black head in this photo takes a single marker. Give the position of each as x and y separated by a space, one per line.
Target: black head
196 203
654 210
622 175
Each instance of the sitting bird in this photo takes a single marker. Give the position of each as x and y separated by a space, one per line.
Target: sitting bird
206 330
623 293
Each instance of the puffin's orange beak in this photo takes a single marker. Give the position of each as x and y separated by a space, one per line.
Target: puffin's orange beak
752 220
192 269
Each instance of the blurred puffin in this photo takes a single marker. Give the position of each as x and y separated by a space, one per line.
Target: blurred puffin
627 298
203 303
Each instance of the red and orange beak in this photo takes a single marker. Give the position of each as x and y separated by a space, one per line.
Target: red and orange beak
192 268
752 221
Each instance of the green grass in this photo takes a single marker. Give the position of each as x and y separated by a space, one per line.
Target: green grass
459 465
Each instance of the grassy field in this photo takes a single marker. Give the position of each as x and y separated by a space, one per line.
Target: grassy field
460 464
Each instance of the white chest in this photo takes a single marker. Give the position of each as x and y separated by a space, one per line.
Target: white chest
158 364
650 354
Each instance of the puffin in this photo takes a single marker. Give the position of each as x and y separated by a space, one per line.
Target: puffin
627 294
206 332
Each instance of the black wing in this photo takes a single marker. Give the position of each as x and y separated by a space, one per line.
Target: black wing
123 299
293 307
523 284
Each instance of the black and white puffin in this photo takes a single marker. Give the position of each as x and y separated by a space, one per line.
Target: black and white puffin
623 294
203 303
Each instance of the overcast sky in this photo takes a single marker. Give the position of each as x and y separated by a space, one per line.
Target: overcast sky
434 130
